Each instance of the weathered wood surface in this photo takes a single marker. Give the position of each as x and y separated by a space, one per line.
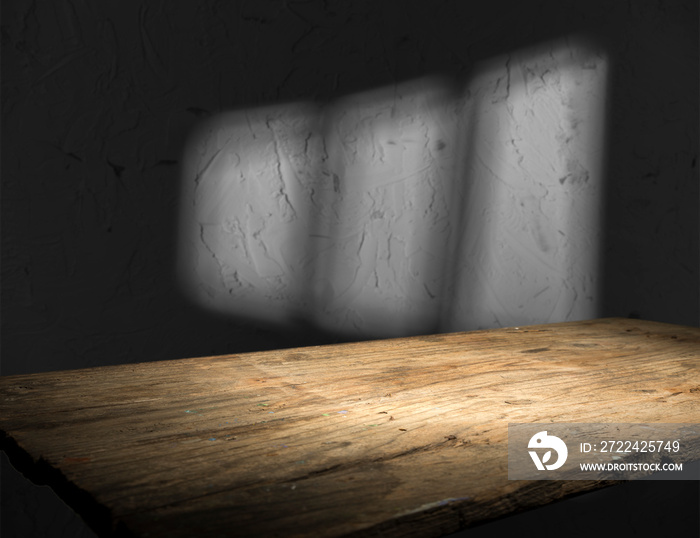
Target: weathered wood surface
393 438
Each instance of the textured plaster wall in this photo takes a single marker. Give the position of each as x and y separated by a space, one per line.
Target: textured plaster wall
101 102
429 205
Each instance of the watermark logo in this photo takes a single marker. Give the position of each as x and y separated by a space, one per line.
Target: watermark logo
551 442
603 451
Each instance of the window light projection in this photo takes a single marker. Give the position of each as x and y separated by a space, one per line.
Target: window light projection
527 246
422 207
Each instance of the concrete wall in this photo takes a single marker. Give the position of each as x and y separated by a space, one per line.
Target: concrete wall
431 205
443 165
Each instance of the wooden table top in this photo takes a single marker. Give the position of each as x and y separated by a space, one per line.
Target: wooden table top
361 439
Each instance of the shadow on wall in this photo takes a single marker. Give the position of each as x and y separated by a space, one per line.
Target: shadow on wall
433 205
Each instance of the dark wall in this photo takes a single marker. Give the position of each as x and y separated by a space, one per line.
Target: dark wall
651 252
98 99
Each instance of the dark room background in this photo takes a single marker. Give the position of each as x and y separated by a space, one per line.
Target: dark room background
105 103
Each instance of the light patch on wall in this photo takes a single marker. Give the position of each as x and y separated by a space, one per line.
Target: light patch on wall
379 261
528 243
417 208
248 194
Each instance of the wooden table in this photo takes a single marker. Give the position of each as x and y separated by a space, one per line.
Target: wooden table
361 439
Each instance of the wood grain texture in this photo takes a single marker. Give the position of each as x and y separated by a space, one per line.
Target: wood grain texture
402 437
